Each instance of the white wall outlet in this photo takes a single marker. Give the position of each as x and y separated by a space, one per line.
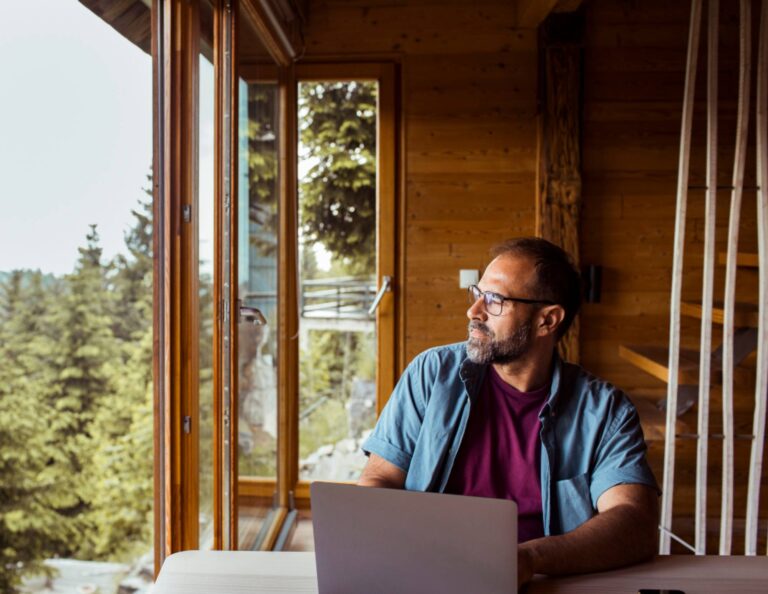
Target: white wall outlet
468 277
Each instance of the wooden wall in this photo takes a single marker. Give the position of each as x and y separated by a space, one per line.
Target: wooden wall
468 107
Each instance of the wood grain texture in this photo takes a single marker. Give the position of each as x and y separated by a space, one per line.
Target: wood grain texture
130 18
467 140
558 197
467 163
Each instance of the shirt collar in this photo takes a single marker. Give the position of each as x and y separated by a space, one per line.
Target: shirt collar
554 389
472 375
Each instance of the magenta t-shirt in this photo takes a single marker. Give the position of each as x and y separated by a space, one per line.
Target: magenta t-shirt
500 451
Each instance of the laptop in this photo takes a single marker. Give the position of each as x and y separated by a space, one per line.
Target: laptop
391 541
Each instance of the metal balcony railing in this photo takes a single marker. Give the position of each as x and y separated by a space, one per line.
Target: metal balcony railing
337 298
344 298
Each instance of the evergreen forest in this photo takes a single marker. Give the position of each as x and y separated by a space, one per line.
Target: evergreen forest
76 415
76 408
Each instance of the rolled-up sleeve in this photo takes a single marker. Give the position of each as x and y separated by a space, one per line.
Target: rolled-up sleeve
397 430
621 456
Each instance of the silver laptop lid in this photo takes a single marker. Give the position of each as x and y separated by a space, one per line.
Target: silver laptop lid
401 542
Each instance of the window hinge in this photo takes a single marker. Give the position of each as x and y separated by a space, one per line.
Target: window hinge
187 425
186 212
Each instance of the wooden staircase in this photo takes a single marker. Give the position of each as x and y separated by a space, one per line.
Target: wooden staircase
654 359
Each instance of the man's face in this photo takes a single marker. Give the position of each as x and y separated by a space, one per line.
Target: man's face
506 337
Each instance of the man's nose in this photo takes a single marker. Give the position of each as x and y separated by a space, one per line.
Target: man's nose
477 311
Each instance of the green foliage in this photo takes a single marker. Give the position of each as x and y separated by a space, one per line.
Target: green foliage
76 408
326 425
30 527
262 167
337 126
328 366
205 390
120 478
337 122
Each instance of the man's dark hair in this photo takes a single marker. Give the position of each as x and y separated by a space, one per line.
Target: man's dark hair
557 279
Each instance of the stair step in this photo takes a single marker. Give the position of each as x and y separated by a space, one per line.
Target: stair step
653 420
744 259
745 314
655 360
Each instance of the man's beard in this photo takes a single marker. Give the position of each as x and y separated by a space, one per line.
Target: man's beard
504 351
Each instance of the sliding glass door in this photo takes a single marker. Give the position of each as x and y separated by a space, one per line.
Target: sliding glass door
276 302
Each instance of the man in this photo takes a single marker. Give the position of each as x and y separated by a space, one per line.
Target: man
503 416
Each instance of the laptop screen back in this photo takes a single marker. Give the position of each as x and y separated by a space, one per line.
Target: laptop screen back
387 540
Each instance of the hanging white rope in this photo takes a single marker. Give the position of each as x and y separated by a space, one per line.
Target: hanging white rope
677 278
707 290
739 160
761 382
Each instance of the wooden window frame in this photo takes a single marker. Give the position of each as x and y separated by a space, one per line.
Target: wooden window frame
292 492
175 49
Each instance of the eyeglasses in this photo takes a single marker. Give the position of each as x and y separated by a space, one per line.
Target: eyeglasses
494 302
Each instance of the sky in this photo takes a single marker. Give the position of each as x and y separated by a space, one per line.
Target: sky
76 137
75 133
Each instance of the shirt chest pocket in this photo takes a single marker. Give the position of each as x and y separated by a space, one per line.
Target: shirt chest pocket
573 502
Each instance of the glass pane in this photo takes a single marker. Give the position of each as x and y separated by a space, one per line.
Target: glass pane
76 472
257 287
205 197
337 243
258 280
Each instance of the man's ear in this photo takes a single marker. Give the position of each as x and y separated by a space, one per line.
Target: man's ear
550 319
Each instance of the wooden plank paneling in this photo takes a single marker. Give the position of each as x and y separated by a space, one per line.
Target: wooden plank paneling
467 161
415 27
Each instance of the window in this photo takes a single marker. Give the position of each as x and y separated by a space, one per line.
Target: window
248 391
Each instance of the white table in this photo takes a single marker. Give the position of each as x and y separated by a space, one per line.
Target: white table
208 572
692 575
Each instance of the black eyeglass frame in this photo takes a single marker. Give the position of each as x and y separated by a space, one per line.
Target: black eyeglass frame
474 292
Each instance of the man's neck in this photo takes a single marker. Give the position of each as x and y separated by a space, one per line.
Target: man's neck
528 373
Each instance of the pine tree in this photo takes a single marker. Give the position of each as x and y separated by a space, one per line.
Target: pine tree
131 276
86 365
121 505
30 528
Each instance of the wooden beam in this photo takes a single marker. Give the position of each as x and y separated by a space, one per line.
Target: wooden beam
176 296
558 200
131 18
225 301
275 31
743 259
288 318
531 13
743 315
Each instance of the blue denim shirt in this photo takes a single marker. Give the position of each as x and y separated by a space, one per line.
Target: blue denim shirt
591 438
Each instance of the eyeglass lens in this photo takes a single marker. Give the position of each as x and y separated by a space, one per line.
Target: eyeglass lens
492 306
